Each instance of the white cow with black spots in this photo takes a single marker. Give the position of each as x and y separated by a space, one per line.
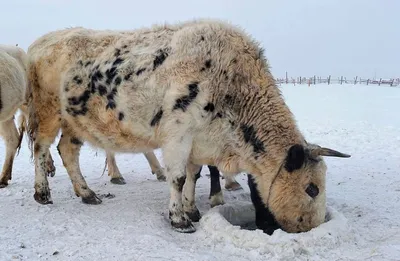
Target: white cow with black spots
199 90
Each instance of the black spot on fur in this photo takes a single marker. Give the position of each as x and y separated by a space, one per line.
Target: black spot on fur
125 46
97 76
228 99
110 74
312 190
295 158
117 52
128 76
208 63
76 141
80 63
183 102
156 119
102 89
110 97
250 136
88 63
117 61
179 182
78 101
121 116
209 107
202 38
160 58
139 72
77 79
117 81
265 220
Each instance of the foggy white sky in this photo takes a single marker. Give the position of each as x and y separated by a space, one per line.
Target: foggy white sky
303 37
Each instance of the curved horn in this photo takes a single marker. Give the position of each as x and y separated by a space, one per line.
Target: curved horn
320 151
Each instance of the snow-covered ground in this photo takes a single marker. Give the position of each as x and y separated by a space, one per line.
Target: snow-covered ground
363 197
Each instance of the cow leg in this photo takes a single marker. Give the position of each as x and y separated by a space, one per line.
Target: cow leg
216 196
231 183
69 148
176 152
188 200
42 190
155 166
51 169
113 171
11 137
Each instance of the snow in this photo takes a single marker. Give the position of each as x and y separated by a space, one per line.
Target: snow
363 197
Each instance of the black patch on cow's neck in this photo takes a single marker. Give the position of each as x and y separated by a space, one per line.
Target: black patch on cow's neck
140 71
209 107
77 79
250 136
156 119
184 101
265 220
121 116
160 58
128 76
295 158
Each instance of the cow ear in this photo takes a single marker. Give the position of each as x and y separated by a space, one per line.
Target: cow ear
295 158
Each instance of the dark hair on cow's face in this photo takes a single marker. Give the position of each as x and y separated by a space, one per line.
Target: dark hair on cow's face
296 202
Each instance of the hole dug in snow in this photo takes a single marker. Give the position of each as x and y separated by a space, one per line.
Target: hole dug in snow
234 223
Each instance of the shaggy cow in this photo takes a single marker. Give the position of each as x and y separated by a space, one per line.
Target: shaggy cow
200 90
12 94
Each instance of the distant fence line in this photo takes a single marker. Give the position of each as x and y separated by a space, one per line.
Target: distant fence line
339 80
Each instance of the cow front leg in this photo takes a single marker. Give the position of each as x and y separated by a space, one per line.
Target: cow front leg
155 166
69 148
189 206
176 153
216 196
11 137
113 171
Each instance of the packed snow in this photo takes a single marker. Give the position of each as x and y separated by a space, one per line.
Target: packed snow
363 220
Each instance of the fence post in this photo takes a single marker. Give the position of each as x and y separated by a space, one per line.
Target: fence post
329 80
300 80
286 78
367 81
314 79
355 80
380 82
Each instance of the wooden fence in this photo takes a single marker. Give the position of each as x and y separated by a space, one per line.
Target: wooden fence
339 80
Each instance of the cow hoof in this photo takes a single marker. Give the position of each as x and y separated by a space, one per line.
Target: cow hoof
43 198
118 181
4 182
194 215
217 199
233 186
183 227
91 200
160 175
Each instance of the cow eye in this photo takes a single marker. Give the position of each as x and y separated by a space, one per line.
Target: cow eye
312 190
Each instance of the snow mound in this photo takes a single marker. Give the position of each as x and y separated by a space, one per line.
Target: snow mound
232 223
